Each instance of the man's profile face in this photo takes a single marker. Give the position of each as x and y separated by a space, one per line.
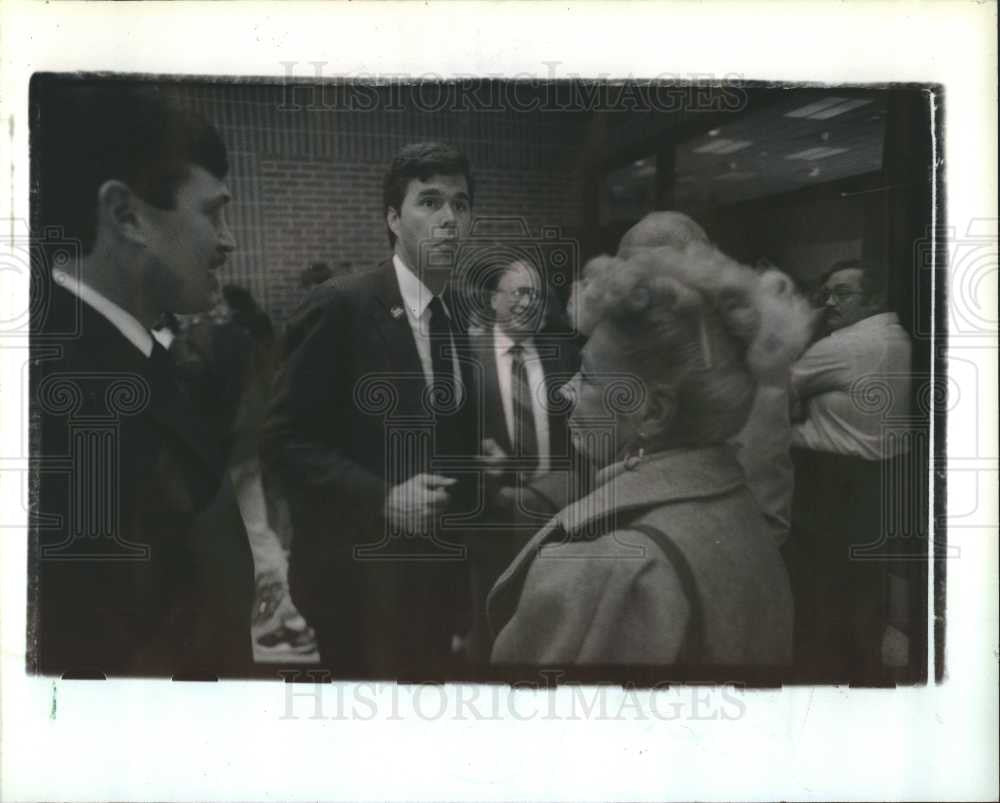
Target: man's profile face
844 300
189 243
432 218
517 302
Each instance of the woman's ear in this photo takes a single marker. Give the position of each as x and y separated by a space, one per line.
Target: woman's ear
659 413
117 212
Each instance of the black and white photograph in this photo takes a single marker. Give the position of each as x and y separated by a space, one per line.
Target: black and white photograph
476 393
396 381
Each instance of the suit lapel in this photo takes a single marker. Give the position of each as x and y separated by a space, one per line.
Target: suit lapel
392 322
100 346
401 359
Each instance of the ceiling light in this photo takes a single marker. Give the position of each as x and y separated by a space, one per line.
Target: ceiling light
736 175
814 171
817 153
723 146
812 108
827 108
714 132
826 114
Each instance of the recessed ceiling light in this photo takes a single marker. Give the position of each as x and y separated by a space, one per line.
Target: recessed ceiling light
812 108
724 146
714 132
813 154
833 111
735 175
827 108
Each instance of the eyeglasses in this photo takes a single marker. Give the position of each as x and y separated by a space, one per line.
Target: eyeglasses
838 294
525 293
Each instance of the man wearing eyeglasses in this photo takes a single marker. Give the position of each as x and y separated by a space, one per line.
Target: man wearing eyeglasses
520 365
851 388
866 348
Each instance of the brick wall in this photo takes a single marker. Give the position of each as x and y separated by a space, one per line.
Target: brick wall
307 182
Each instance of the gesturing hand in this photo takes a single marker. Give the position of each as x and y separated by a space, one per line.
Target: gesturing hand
492 458
413 505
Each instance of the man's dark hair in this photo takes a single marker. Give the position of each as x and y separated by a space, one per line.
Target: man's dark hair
421 160
90 132
873 280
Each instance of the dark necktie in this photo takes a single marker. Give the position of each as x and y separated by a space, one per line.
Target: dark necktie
525 437
442 364
163 369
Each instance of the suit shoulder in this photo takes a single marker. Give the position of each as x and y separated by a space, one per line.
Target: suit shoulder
338 293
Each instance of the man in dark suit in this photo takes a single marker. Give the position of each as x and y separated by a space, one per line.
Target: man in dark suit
372 429
143 565
522 361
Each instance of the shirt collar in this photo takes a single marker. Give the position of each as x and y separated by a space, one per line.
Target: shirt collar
415 294
133 331
504 343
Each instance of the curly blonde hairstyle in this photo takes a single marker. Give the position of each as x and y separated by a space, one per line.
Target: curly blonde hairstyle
699 322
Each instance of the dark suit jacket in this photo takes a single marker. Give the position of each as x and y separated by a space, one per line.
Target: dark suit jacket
557 356
503 529
348 421
140 554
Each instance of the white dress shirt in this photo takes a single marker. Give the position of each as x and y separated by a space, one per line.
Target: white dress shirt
831 378
536 381
126 323
416 299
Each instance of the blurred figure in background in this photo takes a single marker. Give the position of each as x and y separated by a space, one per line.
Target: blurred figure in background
522 418
228 358
845 388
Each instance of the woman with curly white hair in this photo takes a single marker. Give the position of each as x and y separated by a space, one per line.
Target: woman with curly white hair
667 560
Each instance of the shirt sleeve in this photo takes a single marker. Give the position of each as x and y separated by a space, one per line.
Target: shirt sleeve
825 367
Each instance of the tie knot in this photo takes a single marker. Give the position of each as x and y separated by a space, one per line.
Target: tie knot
440 322
437 306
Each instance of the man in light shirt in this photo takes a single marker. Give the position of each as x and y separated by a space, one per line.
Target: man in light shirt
866 351
520 367
369 426
143 562
851 393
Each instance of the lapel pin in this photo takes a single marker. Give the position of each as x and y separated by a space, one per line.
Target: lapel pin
396 312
